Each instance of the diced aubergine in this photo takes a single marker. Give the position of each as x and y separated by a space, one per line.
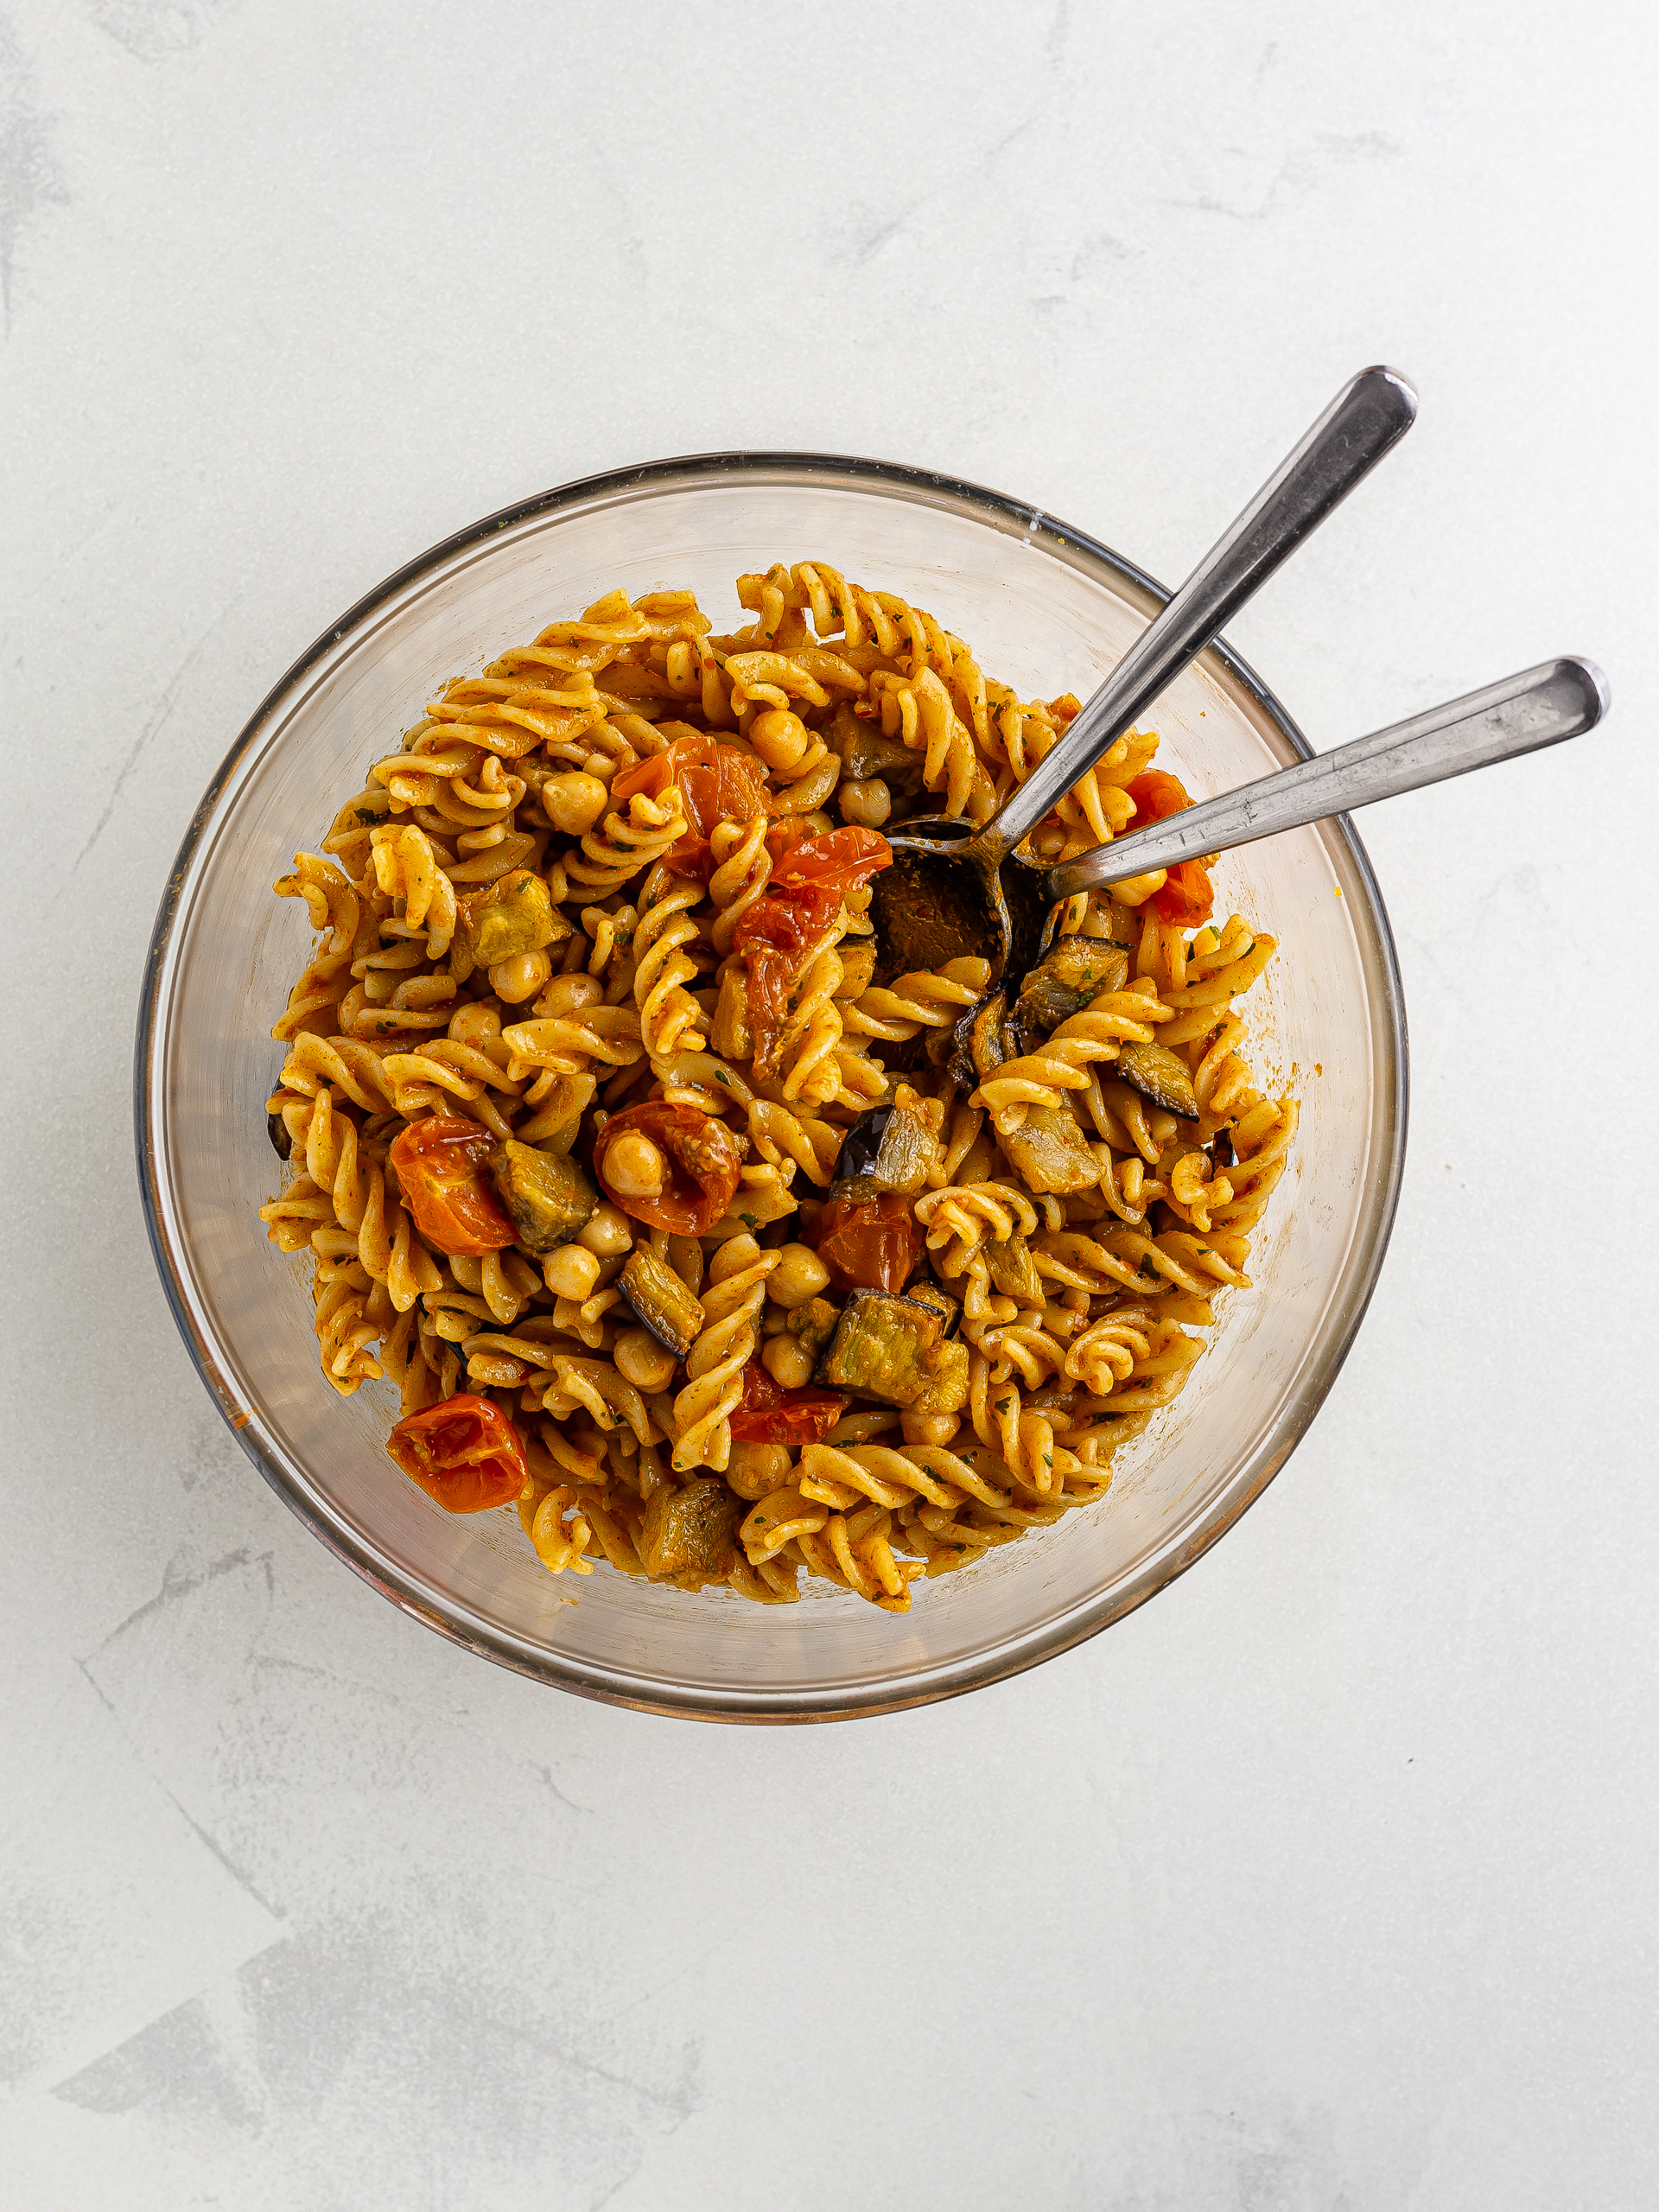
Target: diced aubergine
946 1390
1010 1268
689 1536
1050 1152
881 1347
864 751
661 1302
1078 968
1161 1075
889 1149
979 1042
547 1195
815 1322
513 915
927 1293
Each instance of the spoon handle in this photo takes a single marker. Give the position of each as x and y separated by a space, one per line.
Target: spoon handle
1367 415
1558 699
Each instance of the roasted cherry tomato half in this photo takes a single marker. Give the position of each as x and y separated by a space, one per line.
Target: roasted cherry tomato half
465 1452
810 879
700 1163
842 859
719 783
1187 896
770 1414
437 1162
873 1245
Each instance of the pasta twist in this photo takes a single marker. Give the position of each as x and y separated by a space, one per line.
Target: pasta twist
921 1002
742 871
669 1018
714 1366
626 844
1042 1078
406 867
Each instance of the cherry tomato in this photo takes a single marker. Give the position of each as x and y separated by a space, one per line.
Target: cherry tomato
869 1246
436 1162
701 1161
810 879
770 1414
841 859
719 783
465 1452
1187 896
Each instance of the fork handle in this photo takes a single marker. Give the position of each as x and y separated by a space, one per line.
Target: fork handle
1542 705
1368 416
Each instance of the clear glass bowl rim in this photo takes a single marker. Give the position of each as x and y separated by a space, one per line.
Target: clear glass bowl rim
1013 1653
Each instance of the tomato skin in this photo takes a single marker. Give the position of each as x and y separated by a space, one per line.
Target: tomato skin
1187 896
464 1452
1157 796
719 783
703 1163
771 1415
873 1245
810 878
841 858
436 1162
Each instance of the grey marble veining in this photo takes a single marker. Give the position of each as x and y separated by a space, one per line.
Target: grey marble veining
1327 1880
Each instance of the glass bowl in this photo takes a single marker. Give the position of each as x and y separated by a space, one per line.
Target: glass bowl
1046 610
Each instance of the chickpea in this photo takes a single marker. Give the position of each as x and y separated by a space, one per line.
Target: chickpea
642 1361
608 1231
633 1166
780 737
756 1470
571 1271
569 993
520 978
865 800
929 1428
573 803
799 1276
788 1362
473 1024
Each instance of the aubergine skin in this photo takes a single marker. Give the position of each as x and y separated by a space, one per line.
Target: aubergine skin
688 1535
547 1195
1159 1074
661 1301
1050 1151
881 1347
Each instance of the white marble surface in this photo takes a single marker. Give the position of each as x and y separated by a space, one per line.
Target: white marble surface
1327 1879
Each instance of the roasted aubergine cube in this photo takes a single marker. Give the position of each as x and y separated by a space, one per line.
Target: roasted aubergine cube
891 1148
926 1291
689 1536
513 915
864 751
1078 968
1011 1270
661 1301
815 1322
1050 1152
547 1195
1161 1075
946 1388
881 1347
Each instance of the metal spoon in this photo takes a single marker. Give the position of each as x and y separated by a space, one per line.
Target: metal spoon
1542 705
945 893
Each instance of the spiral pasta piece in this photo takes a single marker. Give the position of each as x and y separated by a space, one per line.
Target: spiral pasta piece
624 844
669 1018
715 1364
